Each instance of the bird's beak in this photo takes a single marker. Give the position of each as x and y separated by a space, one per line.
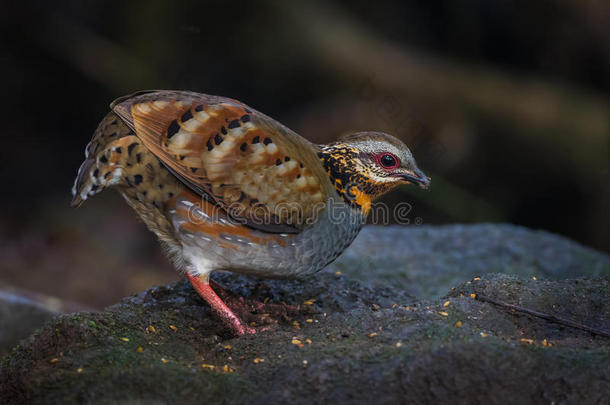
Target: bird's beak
416 177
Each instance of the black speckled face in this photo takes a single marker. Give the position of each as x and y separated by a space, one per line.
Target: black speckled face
365 166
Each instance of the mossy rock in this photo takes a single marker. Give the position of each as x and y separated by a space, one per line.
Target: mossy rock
426 261
363 345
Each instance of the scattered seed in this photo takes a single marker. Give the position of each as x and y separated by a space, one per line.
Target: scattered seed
528 341
296 341
394 305
483 334
338 273
309 302
172 327
54 360
458 324
308 341
227 369
309 320
534 278
476 279
124 339
398 344
266 300
446 304
544 343
151 328
372 335
228 347
164 360
257 360
79 370
208 366
139 349
443 313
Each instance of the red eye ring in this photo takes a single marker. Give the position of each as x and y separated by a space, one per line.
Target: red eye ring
388 161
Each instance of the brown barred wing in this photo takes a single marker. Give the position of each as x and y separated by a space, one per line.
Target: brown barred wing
252 166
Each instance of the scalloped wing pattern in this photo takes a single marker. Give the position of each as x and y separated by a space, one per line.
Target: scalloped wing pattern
259 171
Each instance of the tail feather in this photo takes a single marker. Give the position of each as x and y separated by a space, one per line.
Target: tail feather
82 188
101 167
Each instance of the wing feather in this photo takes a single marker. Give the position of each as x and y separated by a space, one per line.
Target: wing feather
252 166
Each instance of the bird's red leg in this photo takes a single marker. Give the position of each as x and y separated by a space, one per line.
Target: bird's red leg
228 317
253 306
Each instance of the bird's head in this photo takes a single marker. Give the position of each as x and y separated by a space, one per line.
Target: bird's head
366 165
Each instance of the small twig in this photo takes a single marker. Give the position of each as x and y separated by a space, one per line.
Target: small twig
552 318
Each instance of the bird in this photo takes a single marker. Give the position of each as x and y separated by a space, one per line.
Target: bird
226 188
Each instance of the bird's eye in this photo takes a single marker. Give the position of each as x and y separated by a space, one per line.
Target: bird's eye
387 160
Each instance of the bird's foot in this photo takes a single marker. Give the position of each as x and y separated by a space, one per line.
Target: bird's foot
257 312
240 315
232 321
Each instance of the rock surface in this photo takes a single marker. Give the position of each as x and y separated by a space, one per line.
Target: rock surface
426 261
373 338
19 316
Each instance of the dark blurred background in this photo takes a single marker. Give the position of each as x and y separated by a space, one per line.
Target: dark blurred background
504 104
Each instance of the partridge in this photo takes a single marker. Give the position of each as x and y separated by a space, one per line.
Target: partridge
226 188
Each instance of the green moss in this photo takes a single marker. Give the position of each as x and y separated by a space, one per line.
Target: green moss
342 364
